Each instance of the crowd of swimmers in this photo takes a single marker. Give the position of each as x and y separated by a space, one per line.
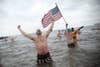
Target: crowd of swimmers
41 43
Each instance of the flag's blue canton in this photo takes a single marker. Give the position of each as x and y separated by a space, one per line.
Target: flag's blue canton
55 10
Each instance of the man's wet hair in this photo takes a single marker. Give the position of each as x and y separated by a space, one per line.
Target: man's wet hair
72 29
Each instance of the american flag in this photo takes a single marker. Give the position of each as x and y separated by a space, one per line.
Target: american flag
52 16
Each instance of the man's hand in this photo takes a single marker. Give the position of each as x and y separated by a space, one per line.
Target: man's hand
18 26
66 25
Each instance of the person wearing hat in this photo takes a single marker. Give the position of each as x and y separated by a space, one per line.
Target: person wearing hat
71 36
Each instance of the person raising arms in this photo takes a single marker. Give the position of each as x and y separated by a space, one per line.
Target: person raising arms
71 36
75 34
41 44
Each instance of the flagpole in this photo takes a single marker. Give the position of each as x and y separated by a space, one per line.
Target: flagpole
62 15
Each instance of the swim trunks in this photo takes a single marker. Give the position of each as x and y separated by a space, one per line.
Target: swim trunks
71 45
44 58
74 37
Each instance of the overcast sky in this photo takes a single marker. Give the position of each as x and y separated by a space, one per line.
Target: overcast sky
29 13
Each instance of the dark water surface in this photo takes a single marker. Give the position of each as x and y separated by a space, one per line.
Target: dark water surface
22 52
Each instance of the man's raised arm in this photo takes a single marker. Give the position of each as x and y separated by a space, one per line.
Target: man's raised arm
49 30
78 30
25 34
80 27
66 25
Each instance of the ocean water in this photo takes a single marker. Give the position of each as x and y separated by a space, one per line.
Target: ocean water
22 52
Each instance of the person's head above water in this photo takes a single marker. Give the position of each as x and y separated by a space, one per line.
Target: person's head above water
38 32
